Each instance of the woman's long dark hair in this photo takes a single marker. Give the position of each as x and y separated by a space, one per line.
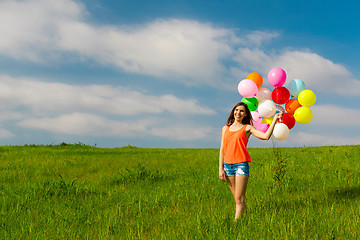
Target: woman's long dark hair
246 120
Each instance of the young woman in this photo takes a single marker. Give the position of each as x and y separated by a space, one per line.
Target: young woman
234 158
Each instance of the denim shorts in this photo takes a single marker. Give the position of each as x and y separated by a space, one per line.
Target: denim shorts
238 169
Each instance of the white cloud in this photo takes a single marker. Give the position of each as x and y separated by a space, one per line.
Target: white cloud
97 110
316 71
161 48
6 134
6 115
310 139
41 30
331 115
94 125
29 28
182 132
186 51
83 124
176 50
257 38
53 98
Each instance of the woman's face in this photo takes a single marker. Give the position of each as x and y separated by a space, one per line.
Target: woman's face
239 113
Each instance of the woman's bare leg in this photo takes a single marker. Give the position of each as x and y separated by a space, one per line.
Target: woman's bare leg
239 195
231 182
237 185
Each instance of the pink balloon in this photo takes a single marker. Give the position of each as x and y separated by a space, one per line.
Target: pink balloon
263 127
277 77
257 118
247 88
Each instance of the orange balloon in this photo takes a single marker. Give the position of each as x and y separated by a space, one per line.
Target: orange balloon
291 105
256 78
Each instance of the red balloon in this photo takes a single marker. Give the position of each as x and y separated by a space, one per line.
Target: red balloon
288 119
280 95
291 105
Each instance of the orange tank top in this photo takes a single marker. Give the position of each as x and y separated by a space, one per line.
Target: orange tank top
235 146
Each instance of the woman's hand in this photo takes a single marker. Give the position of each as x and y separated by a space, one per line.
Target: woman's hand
222 175
278 115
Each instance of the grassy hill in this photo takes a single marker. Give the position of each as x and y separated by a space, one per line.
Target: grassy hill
75 192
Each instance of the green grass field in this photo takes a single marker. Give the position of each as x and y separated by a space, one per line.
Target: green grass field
83 192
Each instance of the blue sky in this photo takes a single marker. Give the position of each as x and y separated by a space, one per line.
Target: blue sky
165 73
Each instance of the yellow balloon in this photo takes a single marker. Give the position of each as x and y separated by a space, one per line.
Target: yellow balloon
267 120
303 115
307 98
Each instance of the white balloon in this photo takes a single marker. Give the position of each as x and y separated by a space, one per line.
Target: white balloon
281 131
267 108
264 94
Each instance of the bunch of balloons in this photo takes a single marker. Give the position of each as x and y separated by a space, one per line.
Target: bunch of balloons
264 104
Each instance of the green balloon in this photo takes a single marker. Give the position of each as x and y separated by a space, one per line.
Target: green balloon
252 103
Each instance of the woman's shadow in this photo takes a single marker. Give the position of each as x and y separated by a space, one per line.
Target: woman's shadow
345 193
333 196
